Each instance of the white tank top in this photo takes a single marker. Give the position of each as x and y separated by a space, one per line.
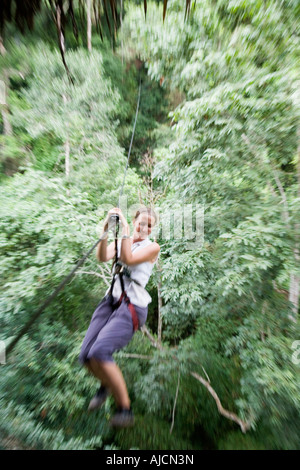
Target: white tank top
140 272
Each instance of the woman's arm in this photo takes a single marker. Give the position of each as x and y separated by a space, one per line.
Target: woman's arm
149 253
106 253
103 252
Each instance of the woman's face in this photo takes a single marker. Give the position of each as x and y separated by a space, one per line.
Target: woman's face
143 225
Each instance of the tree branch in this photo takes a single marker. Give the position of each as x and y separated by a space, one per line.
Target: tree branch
154 343
244 425
94 273
159 326
134 356
175 401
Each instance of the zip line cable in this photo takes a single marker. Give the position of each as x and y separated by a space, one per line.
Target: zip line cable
47 302
133 131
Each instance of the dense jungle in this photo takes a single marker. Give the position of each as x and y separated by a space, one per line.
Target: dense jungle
216 152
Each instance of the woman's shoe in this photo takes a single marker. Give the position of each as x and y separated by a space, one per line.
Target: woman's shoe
98 400
122 418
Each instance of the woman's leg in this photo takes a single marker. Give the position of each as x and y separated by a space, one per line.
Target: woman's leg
111 377
115 335
99 319
96 372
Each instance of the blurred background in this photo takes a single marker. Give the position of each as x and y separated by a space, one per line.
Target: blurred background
218 365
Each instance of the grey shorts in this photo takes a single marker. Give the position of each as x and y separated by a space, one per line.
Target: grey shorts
110 330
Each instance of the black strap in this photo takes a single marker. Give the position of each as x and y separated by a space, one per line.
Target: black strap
121 274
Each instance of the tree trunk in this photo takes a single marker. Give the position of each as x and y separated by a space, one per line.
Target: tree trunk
159 325
67 158
294 290
294 294
67 152
60 33
7 127
121 26
2 48
89 25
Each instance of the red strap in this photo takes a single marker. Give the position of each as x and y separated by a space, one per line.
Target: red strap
135 320
134 317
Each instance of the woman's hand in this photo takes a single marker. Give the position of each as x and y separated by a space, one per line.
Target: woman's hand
122 219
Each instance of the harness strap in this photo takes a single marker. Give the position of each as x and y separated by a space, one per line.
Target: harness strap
122 271
134 317
124 296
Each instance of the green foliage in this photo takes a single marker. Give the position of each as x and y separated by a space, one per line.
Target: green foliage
152 433
44 393
234 151
12 155
237 441
228 79
44 233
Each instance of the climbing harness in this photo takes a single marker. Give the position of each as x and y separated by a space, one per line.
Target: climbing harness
118 269
114 224
121 271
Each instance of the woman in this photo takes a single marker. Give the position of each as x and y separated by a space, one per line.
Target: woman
112 324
